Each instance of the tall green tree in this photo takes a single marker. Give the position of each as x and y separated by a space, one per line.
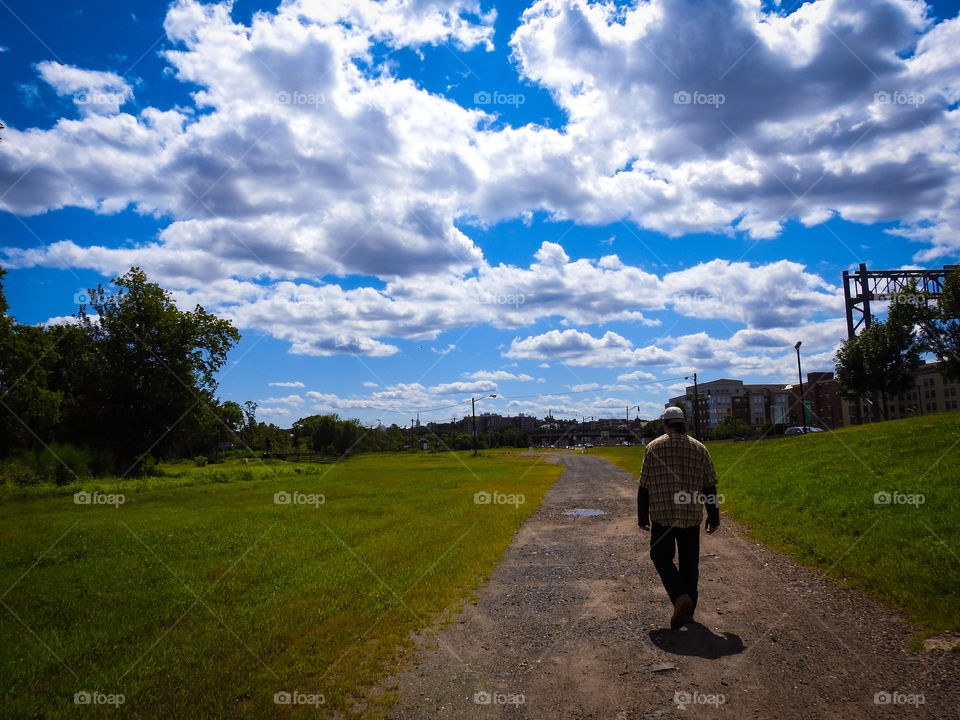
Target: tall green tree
881 360
937 324
29 408
329 434
230 415
157 367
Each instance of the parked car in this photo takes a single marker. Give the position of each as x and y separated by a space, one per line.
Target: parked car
800 430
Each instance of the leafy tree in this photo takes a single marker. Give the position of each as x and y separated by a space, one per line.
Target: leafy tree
731 427
231 416
248 431
329 434
320 430
275 439
937 325
157 369
79 375
29 409
510 436
882 359
462 441
653 429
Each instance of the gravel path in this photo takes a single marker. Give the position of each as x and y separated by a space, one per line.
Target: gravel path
574 624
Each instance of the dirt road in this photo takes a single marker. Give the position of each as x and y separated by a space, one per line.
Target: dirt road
574 624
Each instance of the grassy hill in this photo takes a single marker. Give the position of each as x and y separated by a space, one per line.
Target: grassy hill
877 505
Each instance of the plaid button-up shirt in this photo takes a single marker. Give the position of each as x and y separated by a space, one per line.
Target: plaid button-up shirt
676 470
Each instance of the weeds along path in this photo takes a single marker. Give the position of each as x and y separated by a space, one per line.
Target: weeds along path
573 624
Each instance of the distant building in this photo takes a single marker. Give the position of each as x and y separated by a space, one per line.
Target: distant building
486 422
821 406
527 423
489 422
758 405
931 393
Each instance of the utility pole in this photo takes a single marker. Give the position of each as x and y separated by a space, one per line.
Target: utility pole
473 410
803 406
696 407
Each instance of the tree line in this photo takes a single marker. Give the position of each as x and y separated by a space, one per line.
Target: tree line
882 359
132 382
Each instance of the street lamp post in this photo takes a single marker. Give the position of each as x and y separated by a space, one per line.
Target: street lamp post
803 407
473 410
696 406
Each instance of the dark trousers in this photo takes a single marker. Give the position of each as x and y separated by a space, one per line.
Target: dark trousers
665 542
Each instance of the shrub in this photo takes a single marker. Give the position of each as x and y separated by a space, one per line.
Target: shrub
150 467
214 476
103 462
58 463
20 476
71 463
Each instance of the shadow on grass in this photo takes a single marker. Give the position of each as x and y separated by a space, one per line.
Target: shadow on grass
696 639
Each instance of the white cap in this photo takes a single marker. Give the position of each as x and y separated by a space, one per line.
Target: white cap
673 414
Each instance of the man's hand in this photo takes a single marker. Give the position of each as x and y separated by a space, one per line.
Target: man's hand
645 527
711 529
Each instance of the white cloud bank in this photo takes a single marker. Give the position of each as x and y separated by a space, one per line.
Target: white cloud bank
305 158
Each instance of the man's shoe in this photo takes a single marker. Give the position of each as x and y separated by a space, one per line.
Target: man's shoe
682 612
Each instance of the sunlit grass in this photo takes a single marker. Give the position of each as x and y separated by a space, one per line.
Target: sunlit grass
204 598
814 497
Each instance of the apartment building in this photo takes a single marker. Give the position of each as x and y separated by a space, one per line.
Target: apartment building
488 422
931 393
760 404
821 404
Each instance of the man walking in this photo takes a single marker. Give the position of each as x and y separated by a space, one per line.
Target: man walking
676 480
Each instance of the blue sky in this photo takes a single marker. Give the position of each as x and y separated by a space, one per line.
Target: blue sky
403 204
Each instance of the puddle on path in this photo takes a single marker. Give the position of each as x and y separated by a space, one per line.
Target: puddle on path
584 512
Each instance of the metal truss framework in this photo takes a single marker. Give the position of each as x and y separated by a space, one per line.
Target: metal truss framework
862 286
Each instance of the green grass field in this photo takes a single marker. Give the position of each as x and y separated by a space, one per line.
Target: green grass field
816 497
200 596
